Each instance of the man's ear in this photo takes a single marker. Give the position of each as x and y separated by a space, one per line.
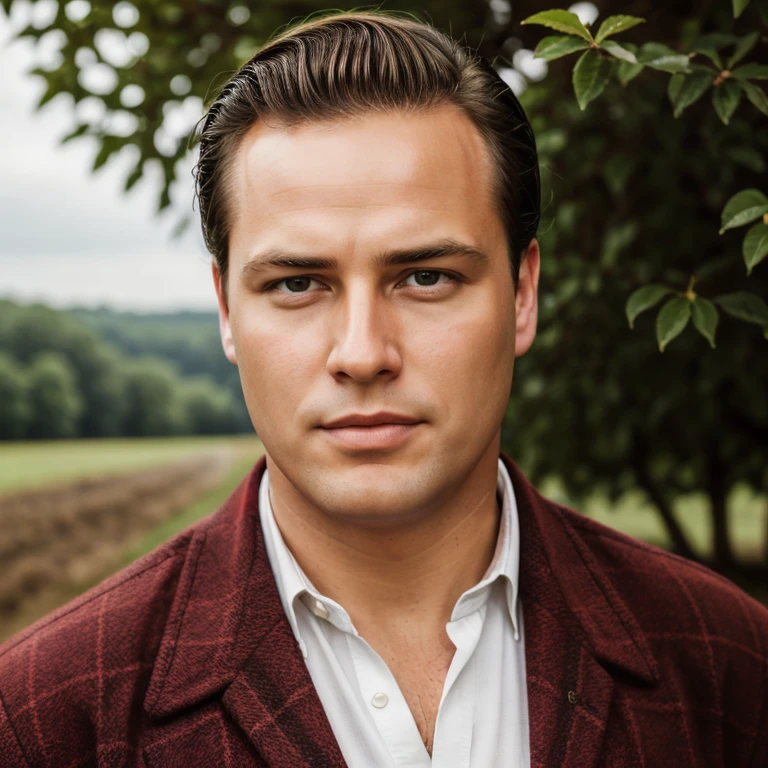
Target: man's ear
225 329
526 299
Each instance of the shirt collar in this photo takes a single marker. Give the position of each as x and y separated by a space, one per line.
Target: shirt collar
293 584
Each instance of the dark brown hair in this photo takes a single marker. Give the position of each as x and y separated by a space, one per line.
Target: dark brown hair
346 63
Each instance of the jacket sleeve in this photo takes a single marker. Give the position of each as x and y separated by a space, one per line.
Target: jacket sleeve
10 748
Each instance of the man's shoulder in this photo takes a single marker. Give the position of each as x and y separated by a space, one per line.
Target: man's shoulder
86 671
673 599
55 675
135 598
128 607
122 597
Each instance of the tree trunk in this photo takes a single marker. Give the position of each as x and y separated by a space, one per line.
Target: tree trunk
765 531
722 549
680 545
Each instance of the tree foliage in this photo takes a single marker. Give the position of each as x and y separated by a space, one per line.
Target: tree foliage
60 378
14 399
56 404
650 188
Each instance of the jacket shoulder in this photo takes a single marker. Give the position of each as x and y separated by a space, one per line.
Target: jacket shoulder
93 655
708 637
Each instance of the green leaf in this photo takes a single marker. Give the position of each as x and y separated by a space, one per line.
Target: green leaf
751 72
615 24
134 176
715 40
626 71
104 153
738 7
708 45
590 76
671 321
555 46
562 21
75 133
748 157
673 87
726 98
743 47
743 208
619 52
644 298
705 317
755 95
746 306
755 247
711 54
692 88
662 57
51 90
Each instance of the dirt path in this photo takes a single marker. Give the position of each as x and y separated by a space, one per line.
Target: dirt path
56 541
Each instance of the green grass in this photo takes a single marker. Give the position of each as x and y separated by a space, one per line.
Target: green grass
36 464
205 505
633 515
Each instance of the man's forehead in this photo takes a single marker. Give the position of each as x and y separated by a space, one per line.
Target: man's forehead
366 160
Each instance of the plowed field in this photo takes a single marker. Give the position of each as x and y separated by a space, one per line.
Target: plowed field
56 541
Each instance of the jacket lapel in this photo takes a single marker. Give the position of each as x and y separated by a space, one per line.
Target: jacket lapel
578 634
228 637
272 698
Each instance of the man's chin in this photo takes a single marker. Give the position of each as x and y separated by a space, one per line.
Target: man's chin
381 492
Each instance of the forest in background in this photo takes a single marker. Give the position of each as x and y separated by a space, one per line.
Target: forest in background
99 373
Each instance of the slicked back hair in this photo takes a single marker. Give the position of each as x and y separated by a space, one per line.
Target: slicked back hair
350 63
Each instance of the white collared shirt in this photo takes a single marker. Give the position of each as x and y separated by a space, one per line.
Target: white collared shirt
482 719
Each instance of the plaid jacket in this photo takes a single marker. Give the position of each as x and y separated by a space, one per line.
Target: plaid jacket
635 657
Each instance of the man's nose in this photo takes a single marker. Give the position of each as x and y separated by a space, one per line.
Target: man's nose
365 333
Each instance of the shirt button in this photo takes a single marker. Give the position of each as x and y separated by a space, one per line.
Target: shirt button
320 610
380 700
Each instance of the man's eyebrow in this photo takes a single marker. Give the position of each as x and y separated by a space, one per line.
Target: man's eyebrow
279 257
445 247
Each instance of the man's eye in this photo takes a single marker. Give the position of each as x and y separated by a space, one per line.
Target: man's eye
426 277
294 284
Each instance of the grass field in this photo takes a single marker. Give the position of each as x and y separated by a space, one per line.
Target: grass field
36 464
205 505
635 516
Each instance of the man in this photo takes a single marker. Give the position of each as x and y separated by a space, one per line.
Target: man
384 589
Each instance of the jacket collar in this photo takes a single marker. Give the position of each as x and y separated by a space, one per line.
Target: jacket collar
227 633
559 572
580 637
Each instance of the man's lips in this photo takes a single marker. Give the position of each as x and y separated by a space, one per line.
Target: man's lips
371 432
370 420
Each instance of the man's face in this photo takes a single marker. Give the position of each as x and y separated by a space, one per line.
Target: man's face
369 275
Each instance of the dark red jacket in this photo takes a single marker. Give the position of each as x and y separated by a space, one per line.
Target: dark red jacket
634 657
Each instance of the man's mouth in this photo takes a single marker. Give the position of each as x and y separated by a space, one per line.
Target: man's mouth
379 431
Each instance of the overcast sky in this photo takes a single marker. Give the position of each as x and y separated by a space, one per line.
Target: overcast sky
69 237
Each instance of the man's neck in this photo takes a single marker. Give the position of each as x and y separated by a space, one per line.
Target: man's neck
394 579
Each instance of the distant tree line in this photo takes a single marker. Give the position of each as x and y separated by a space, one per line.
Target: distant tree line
59 378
